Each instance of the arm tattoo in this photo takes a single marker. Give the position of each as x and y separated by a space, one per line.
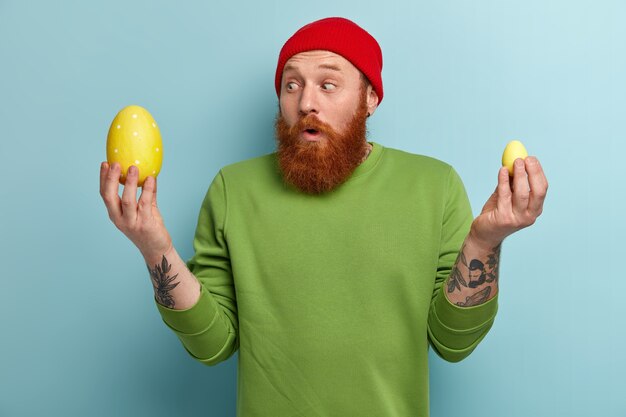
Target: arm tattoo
478 298
494 263
478 272
162 283
462 255
456 278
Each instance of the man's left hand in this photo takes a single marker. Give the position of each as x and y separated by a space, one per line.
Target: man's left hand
515 204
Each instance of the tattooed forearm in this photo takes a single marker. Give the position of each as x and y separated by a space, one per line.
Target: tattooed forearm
478 298
493 261
456 280
162 283
478 272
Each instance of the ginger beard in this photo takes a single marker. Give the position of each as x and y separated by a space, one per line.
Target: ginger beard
319 167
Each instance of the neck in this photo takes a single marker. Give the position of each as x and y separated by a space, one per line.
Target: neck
368 149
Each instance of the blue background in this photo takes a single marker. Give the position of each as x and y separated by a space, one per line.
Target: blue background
80 335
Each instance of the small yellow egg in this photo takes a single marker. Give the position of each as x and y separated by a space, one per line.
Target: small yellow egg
513 150
134 139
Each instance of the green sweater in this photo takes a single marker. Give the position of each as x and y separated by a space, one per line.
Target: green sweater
331 300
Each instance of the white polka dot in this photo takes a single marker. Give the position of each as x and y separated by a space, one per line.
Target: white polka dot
134 116
153 124
137 161
135 133
115 150
154 172
118 126
157 149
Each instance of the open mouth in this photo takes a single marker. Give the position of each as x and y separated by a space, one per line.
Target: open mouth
311 134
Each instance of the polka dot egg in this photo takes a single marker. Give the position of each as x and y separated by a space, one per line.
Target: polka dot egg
134 139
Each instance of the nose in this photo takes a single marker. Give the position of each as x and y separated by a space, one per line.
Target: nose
308 101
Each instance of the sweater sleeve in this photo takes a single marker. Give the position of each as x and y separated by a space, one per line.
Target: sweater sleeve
455 331
209 329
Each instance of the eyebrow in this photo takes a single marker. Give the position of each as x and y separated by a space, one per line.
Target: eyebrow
332 67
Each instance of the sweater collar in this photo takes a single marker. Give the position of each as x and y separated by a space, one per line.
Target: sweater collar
370 162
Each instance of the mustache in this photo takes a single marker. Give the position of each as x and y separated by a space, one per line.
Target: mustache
310 121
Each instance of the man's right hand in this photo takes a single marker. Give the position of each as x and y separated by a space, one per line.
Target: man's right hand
140 220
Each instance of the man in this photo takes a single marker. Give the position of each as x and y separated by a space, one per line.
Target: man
476 273
333 263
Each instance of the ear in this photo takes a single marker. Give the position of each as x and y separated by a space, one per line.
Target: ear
372 100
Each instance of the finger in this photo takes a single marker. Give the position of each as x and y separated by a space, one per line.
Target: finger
146 199
521 190
104 168
154 198
538 185
504 190
129 196
109 184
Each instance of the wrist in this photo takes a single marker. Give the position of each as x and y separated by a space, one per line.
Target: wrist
482 241
155 256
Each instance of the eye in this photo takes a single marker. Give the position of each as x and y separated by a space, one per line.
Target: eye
329 86
291 86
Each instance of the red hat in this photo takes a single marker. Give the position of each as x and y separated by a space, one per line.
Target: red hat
343 37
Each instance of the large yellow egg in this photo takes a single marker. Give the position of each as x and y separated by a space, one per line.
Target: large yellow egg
134 139
513 150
